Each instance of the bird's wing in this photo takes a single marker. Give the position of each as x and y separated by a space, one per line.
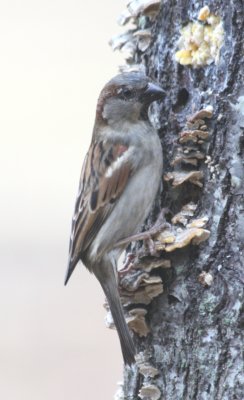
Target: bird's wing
106 170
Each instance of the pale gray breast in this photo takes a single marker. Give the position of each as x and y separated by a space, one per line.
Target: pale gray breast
135 202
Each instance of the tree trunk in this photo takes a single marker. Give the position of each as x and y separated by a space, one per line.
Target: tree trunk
194 348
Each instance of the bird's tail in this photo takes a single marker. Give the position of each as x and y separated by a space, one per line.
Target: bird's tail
70 269
106 276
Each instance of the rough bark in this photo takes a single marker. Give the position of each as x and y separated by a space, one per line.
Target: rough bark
196 331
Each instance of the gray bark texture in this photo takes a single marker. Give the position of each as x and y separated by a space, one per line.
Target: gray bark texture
195 342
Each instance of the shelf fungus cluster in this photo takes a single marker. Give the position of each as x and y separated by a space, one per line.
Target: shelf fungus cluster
138 14
200 41
138 287
190 151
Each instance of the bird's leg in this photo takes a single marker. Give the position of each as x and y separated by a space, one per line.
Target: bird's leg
160 223
158 227
148 248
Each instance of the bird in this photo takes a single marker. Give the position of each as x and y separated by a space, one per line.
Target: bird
119 181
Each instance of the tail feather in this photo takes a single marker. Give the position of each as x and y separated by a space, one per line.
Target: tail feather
70 269
109 285
68 274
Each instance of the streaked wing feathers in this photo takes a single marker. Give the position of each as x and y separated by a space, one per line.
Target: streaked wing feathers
104 175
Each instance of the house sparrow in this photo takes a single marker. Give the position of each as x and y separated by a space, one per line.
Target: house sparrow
118 184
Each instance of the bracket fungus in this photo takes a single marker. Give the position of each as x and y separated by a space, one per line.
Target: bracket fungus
185 213
149 8
206 112
137 323
180 238
193 135
137 13
147 265
191 231
143 37
178 178
146 292
144 366
149 392
196 129
188 155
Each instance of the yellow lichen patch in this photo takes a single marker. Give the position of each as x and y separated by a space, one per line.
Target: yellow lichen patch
200 42
203 13
184 57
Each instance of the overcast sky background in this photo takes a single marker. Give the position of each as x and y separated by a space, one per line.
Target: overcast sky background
54 60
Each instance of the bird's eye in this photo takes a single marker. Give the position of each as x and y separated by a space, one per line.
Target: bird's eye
125 93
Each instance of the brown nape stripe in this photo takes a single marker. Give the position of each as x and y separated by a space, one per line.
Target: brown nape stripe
104 95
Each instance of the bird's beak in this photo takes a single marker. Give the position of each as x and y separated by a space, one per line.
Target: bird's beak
152 92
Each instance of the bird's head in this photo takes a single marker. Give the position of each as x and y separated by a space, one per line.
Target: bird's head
127 97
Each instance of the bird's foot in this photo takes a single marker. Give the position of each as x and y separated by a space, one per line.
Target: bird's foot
147 236
127 266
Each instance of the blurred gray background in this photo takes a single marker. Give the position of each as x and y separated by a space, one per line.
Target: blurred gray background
54 60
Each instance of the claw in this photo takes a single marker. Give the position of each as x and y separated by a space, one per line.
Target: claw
127 265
